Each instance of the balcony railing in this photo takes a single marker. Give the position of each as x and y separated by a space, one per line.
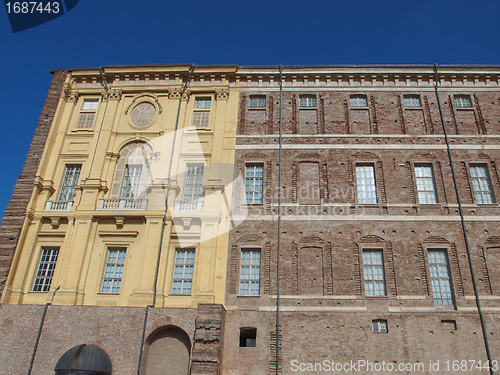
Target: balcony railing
188 206
58 205
122 204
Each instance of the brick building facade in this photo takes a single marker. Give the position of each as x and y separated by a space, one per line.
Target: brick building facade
360 258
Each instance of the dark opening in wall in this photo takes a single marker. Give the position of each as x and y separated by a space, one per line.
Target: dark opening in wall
380 325
449 325
248 337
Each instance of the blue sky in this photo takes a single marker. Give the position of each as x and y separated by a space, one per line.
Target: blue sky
271 32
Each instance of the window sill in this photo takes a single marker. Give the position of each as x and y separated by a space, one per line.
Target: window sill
308 108
256 108
464 108
410 108
377 297
248 295
192 129
107 294
366 107
179 295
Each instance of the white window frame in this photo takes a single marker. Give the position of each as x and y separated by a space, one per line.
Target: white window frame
113 270
257 101
250 272
481 184
366 185
182 278
358 101
201 112
380 326
462 101
131 183
193 183
45 270
69 182
425 183
307 101
374 273
254 183
412 101
440 277
87 114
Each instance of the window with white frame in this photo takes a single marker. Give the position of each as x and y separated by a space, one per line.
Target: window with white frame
70 180
250 272
440 277
374 275
45 270
307 100
426 188
87 114
193 184
201 114
131 181
481 184
257 101
182 281
254 183
113 271
365 182
412 100
462 101
358 101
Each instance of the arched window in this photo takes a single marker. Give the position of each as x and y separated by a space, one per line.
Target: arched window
132 171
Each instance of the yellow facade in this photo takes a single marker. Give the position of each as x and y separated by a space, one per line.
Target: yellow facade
115 154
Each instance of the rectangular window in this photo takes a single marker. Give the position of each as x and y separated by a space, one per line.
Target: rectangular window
440 277
426 188
183 272
70 180
202 103
258 101
87 114
481 184
193 185
131 181
254 181
358 101
201 114
113 273
373 267
307 101
200 119
45 270
365 181
250 272
412 100
462 101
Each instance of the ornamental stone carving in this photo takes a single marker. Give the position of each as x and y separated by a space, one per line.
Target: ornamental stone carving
68 95
113 94
175 93
222 94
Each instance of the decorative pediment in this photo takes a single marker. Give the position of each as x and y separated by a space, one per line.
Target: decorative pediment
371 238
311 239
250 238
436 239
143 98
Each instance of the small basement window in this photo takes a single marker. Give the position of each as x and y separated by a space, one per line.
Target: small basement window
248 337
380 325
448 325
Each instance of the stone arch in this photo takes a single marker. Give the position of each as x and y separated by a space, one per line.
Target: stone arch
167 352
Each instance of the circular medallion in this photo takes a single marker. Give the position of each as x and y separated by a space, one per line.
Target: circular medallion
143 114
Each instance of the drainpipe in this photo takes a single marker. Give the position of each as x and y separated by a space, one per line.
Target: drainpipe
464 229
279 227
40 331
155 287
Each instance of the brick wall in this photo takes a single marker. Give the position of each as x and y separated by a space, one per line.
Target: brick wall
15 212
